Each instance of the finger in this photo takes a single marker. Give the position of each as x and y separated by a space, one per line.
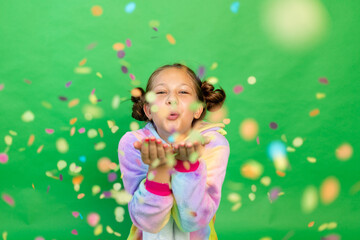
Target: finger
196 146
145 151
182 151
160 151
137 145
189 149
152 149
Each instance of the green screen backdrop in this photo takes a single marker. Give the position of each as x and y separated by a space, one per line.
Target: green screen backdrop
290 70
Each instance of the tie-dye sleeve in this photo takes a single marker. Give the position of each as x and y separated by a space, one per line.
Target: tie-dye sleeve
198 192
150 206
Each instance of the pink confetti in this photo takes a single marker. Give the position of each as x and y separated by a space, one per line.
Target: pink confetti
128 42
75 214
27 81
132 76
48 189
74 232
93 219
93 91
8 199
49 131
238 89
155 28
1 86
4 158
323 80
81 130
68 84
39 238
257 140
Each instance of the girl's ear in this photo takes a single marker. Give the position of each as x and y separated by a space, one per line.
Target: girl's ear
147 110
198 112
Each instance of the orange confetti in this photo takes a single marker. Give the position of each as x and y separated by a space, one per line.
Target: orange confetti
78 179
73 120
101 132
40 148
118 46
81 195
72 131
33 186
314 112
170 38
96 11
192 213
31 140
73 102
281 174
82 62
311 224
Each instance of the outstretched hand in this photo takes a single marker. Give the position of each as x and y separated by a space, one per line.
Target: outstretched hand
190 151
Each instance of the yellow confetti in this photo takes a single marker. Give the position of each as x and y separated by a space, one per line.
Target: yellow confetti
73 103
98 230
99 75
118 46
320 95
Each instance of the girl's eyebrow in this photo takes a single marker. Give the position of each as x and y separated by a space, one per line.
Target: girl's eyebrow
165 84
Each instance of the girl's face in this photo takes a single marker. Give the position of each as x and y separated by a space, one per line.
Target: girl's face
175 92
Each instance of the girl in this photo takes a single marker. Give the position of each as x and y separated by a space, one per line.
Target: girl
175 166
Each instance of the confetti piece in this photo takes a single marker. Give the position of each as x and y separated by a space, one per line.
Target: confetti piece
61 165
39 238
117 186
91 46
68 84
170 38
103 164
112 177
62 146
109 230
82 70
93 219
46 104
297 142
124 69
99 75
73 103
212 80
314 112
82 62
234 197
274 193
75 214
320 95
130 7
82 159
134 126
118 46
40 149
235 7
238 89
61 177
48 188
132 76
8 199
309 199
329 190
311 224
92 133
80 195
128 42
28 116
344 152
72 131
120 54
27 81
75 169
49 131
63 98
273 125
33 186
73 120
251 80
78 179
248 129
2 86
96 11
101 132
4 158
98 230
311 159
323 80
31 140
100 146
251 169
95 189
81 130
331 237
252 196
74 232
265 181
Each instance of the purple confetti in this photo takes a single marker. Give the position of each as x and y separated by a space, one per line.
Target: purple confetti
112 177
274 193
120 54
273 125
107 194
331 237
128 42
201 71
63 98
155 28
124 69
48 189
61 177
68 84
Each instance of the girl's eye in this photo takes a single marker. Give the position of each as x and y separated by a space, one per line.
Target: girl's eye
159 92
184 92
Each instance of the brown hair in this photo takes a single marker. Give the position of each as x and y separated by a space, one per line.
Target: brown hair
211 100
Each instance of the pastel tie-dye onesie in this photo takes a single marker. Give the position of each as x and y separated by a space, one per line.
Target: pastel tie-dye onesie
186 209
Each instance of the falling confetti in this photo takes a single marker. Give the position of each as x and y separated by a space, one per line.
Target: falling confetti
329 190
8 199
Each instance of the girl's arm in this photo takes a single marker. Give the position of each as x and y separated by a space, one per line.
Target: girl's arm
150 206
197 193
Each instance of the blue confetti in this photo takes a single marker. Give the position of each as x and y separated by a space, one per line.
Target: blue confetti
81 216
130 7
235 7
82 159
276 148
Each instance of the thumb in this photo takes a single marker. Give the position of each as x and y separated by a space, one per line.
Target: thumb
137 145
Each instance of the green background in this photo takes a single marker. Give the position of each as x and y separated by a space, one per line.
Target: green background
43 42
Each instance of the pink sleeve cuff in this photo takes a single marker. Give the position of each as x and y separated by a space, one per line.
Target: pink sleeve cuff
186 166
161 189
